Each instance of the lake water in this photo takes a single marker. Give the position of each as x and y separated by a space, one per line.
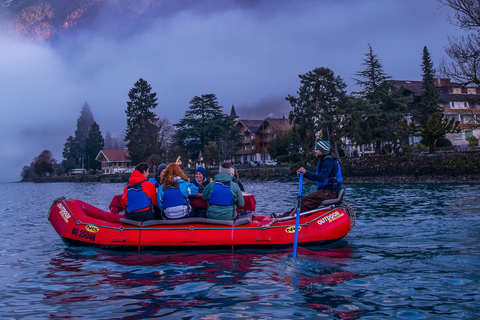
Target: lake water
413 254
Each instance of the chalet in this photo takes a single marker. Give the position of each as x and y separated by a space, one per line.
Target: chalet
460 103
256 136
114 161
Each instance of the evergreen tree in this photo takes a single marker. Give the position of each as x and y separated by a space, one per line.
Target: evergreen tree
430 122
84 122
379 116
141 133
108 140
319 108
94 144
69 154
429 103
204 122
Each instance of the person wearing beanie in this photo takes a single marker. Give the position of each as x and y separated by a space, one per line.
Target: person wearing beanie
160 172
327 176
223 195
201 180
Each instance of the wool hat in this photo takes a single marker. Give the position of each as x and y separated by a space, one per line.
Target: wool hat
228 170
202 171
323 146
161 167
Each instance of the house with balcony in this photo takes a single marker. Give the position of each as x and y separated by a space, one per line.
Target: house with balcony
457 102
256 134
114 161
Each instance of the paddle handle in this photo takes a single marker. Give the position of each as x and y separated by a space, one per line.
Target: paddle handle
297 220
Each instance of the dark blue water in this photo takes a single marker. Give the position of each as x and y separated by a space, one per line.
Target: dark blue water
413 254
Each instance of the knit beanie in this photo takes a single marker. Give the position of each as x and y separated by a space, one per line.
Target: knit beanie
323 146
228 170
202 171
161 167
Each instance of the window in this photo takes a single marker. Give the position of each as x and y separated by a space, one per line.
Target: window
457 136
472 90
457 90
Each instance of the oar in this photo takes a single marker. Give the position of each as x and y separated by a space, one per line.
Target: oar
297 222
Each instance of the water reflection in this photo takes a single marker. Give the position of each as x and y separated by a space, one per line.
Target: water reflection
149 284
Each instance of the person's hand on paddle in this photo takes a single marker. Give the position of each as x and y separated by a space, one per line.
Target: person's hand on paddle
301 170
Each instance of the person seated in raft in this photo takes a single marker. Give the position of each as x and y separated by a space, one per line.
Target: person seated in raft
160 172
139 196
237 180
200 180
223 195
173 193
327 176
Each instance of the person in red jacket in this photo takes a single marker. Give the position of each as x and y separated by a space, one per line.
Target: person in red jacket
139 196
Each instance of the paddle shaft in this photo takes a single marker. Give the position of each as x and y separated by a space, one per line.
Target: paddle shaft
297 221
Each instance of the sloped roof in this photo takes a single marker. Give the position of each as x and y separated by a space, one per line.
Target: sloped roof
113 155
411 85
279 124
251 125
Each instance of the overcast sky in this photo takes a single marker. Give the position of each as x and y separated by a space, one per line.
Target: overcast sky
248 53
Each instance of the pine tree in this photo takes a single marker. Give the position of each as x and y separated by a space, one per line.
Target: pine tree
430 122
379 116
141 133
84 123
429 103
204 122
94 144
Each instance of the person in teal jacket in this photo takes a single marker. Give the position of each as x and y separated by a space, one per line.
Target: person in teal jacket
223 195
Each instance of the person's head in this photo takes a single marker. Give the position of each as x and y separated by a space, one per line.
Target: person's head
200 174
172 171
322 148
143 168
160 172
225 167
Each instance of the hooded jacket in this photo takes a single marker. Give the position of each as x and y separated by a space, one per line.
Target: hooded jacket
223 212
147 187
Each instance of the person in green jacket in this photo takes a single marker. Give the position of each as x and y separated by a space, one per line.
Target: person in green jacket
223 195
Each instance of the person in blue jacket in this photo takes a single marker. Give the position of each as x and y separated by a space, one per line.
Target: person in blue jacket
173 193
327 176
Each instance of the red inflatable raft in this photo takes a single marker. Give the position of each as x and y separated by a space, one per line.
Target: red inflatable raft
81 224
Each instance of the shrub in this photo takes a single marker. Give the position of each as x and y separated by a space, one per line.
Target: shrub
472 141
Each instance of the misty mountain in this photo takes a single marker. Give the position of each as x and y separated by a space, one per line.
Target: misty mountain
39 19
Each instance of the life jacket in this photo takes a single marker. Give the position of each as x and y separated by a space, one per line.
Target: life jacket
335 178
221 194
138 200
173 197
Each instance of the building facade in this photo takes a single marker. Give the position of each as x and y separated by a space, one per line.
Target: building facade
256 134
457 102
114 161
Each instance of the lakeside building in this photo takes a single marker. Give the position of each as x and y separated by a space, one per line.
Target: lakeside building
458 102
114 161
256 134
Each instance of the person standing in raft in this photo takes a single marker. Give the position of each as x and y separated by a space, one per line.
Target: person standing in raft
139 196
174 191
224 196
200 180
327 176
